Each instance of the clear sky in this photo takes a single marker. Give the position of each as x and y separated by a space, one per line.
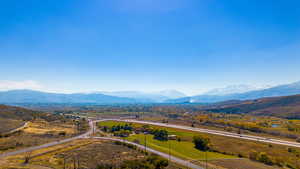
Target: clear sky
148 45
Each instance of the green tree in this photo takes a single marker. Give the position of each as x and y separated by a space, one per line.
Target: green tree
201 143
161 135
264 158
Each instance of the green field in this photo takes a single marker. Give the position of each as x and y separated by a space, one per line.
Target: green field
183 149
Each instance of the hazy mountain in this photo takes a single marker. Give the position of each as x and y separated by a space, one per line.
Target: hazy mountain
147 97
30 96
233 89
172 94
281 90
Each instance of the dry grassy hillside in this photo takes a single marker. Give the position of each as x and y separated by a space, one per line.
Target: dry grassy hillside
40 128
13 117
285 107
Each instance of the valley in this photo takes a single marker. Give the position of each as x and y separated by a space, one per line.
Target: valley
235 139
149 84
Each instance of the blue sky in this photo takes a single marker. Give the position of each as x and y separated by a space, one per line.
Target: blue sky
148 45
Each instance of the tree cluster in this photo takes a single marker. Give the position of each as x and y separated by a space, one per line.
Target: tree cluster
201 143
161 135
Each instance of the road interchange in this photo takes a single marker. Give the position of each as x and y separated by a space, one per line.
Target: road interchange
92 123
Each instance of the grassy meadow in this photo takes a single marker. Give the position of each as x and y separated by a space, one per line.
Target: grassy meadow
184 149
228 148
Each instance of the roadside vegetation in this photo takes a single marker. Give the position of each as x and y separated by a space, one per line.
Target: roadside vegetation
272 126
196 146
177 143
89 154
196 115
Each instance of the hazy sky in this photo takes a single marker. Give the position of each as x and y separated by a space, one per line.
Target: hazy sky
148 45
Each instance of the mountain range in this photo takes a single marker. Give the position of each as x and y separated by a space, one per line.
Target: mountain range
240 92
281 90
160 96
234 89
31 96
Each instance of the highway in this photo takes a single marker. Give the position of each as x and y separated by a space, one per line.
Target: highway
88 135
215 132
172 158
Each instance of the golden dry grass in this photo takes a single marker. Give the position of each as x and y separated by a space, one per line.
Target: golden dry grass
7 125
91 153
36 133
43 127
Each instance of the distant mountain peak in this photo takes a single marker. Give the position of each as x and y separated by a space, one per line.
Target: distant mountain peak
232 89
159 96
295 84
171 93
242 92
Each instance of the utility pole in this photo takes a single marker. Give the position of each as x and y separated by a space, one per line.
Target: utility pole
74 162
169 151
206 159
93 128
145 139
297 156
187 164
78 161
123 139
64 156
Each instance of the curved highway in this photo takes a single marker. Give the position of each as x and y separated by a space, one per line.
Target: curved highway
215 132
85 135
172 158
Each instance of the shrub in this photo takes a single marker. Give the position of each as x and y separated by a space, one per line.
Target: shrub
122 133
158 161
118 143
62 133
136 141
264 158
261 157
152 162
136 164
201 143
161 135
105 166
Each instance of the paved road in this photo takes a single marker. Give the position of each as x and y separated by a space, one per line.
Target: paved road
215 132
167 156
85 135
17 129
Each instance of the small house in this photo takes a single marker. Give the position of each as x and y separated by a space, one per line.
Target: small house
172 137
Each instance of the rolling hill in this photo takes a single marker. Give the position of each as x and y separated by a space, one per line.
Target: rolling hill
12 117
285 107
